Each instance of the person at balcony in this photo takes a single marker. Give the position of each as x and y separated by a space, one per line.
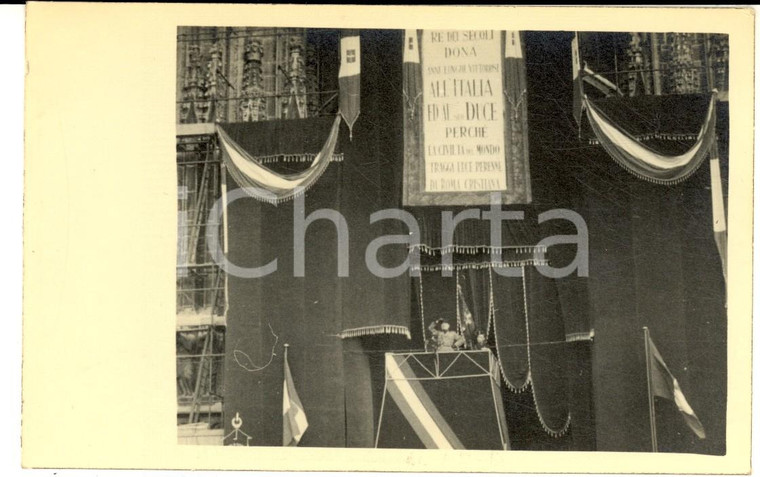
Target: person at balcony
480 341
444 339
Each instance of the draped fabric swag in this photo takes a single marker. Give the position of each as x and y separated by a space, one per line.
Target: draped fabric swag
642 160
265 184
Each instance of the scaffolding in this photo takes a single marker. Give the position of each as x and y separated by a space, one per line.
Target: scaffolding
201 290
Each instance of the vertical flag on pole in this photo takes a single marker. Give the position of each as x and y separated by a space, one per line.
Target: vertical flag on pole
412 91
294 421
516 117
348 77
718 211
412 71
293 109
662 383
577 81
465 322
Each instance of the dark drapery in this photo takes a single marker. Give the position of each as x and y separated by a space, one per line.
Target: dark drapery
312 313
522 311
652 260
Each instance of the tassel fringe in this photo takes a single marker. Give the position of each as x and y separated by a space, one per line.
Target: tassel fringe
476 249
298 192
554 433
491 311
375 330
480 265
550 431
580 336
658 136
298 158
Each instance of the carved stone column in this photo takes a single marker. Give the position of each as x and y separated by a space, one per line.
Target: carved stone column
296 80
253 105
216 86
639 66
194 87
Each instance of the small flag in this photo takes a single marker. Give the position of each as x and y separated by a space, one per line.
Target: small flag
294 422
512 45
412 85
577 81
665 385
293 107
464 319
349 78
411 50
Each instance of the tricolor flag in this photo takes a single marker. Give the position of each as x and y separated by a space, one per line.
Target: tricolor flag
665 385
718 211
412 72
464 319
516 117
417 407
294 421
348 77
577 81
428 398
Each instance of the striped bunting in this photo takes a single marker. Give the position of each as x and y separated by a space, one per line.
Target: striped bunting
416 406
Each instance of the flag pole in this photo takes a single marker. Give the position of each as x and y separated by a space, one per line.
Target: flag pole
652 421
284 374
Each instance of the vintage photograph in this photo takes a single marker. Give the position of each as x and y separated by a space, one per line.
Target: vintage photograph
452 239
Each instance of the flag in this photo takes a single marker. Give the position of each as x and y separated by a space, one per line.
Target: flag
464 319
718 211
293 107
348 77
577 81
294 422
516 117
424 394
412 88
665 385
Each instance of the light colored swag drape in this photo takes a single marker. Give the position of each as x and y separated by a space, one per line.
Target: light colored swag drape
641 160
266 185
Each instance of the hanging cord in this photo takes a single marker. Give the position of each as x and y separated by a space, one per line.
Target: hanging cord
510 385
548 430
236 353
458 300
422 316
